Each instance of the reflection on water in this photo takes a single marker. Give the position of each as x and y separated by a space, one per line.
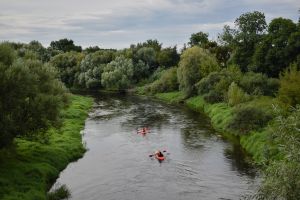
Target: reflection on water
198 164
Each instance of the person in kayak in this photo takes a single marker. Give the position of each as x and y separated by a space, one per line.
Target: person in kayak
159 153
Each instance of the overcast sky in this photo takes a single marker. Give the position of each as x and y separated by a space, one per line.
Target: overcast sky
119 23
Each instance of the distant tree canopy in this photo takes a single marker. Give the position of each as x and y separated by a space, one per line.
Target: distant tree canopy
272 55
65 45
118 74
250 29
67 64
199 39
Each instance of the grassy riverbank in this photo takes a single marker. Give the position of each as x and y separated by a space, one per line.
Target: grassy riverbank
30 168
255 143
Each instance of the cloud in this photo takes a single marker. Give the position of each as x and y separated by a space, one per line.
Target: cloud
118 24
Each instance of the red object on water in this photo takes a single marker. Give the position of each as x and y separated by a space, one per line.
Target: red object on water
161 158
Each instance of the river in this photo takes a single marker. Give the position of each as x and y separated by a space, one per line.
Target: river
117 166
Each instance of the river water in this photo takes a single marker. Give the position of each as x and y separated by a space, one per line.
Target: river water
117 166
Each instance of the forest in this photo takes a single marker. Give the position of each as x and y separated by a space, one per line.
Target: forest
251 73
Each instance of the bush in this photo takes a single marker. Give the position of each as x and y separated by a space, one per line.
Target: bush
236 95
289 91
213 97
208 83
7 54
59 193
282 176
259 84
167 83
218 82
247 119
117 74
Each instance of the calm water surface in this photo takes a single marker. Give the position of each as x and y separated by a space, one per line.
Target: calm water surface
117 166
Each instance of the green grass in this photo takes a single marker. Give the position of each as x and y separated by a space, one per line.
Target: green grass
256 143
171 97
219 113
30 168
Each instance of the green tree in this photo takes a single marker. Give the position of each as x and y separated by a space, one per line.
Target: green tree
166 83
7 54
199 39
91 68
195 63
67 65
65 45
42 53
92 49
281 178
148 56
272 54
117 74
290 86
250 29
168 57
31 99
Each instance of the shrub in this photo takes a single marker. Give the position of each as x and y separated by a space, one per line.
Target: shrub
289 91
213 97
218 82
168 82
248 118
236 95
282 176
59 193
7 54
259 84
208 83
117 74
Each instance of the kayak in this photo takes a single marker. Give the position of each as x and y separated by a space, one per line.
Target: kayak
143 131
160 158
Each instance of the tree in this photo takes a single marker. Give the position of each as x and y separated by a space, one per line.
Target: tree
281 178
91 68
67 64
290 86
148 56
117 74
7 54
65 45
275 53
250 30
31 99
226 38
154 44
42 53
199 39
92 49
195 63
168 57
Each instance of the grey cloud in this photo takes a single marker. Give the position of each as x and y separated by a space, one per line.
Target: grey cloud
118 24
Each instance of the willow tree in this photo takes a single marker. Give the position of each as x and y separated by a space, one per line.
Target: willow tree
195 63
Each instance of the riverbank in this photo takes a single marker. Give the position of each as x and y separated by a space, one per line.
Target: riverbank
255 143
30 168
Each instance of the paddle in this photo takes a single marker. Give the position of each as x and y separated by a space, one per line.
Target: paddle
154 154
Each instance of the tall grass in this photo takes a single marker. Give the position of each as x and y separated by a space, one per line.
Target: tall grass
29 169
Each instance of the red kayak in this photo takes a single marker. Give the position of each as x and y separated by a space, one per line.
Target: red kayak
160 158
143 131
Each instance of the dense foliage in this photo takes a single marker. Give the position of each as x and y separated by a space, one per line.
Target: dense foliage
252 67
31 96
